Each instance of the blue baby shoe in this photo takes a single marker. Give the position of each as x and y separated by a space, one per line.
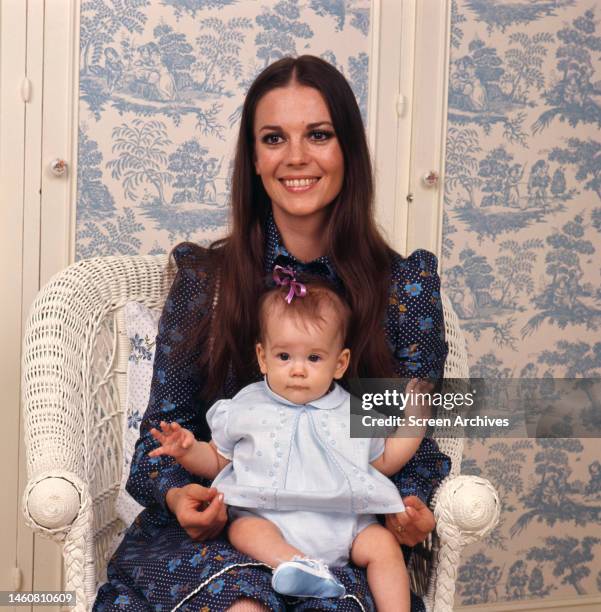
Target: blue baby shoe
304 577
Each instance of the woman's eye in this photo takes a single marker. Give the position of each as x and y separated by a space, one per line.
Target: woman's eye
321 135
283 356
314 358
270 138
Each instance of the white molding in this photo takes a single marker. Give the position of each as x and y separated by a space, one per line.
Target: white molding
31 562
572 604
58 138
444 125
402 159
374 66
424 224
13 37
391 73
33 153
75 56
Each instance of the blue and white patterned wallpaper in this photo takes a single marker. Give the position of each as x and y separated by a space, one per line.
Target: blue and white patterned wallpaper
161 90
521 263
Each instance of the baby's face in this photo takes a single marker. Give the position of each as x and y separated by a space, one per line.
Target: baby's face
301 362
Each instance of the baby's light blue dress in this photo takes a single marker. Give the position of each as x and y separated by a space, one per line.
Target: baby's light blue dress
297 466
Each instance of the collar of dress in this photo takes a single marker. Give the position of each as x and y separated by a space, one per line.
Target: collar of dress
276 253
332 399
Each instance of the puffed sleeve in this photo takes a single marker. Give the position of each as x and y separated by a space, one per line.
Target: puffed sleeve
175 392
217 418
415 317
376 448
417 337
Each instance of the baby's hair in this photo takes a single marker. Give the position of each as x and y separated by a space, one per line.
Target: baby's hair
307 310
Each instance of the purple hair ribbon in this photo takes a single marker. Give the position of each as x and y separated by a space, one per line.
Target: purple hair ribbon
285 277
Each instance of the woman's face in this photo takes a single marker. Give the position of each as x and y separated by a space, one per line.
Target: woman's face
297 153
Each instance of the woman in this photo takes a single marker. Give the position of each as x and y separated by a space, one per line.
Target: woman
301 197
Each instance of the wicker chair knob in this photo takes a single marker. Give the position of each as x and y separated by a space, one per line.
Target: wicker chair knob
52 503
470 504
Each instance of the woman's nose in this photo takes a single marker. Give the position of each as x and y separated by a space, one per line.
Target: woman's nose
296 153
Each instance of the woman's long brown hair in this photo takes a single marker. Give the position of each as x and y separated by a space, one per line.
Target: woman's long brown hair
358 252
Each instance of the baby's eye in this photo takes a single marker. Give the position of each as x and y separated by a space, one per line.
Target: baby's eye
283 356
314 358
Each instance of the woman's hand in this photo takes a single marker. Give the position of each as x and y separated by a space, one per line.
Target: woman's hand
414 524
200 511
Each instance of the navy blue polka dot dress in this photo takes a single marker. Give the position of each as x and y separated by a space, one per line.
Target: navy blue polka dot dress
157 566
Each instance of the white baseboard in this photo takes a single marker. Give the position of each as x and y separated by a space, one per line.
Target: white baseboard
586 603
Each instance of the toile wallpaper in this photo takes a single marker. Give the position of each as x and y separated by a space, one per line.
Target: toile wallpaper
521 264
161 84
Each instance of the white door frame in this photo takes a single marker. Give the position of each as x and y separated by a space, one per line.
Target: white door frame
407 118
38 71
13 40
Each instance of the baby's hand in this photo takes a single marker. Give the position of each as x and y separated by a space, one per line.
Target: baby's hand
418 406
417 390
175 441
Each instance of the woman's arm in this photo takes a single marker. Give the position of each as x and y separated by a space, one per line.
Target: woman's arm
175 392
415 313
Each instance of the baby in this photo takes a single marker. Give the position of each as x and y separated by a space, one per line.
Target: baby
302 492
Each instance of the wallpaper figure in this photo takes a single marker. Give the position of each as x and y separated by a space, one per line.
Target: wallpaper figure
152 80
537 184
467 85
512 190
462 296
594 484
207 191
113 68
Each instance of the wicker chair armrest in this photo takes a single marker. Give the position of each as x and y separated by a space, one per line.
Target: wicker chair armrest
51 502
56 504
467 509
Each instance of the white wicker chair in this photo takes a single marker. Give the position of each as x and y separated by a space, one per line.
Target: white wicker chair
74 380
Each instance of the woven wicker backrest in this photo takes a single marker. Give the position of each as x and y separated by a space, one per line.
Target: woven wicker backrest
76 352
75 363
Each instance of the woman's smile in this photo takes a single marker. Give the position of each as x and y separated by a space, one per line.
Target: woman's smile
299 185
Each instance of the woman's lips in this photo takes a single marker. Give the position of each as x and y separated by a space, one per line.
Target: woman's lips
299 186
